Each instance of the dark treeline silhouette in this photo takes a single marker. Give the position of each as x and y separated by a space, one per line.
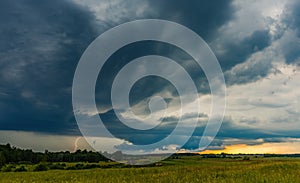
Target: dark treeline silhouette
9 154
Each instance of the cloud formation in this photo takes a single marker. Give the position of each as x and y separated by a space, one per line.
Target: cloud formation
256 43
41 44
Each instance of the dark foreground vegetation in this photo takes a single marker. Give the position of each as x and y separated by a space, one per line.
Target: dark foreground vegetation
26 166
10 154
13 155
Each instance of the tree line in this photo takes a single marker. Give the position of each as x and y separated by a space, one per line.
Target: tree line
9 154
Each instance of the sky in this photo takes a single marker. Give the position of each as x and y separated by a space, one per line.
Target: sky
257 44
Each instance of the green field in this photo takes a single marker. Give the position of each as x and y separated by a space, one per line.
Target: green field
185 169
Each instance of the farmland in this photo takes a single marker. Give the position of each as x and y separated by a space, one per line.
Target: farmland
183 169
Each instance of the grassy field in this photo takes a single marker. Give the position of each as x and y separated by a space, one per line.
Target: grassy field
186 169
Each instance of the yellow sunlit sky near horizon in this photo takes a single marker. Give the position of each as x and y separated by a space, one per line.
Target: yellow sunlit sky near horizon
266 148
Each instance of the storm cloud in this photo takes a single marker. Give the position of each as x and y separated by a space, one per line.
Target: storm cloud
257 46
41 43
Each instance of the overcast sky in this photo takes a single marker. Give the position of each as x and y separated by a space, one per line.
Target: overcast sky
257 44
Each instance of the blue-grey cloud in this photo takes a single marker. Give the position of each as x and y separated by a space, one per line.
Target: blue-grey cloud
238 52
203 17
242 134
41 43
291 22
184 117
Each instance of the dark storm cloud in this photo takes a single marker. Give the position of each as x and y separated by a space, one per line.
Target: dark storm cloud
230 129
142 89
184 117
141 137
238 52
292 15
287 36
191 15
203 17
253 71
206 18
245 132
292 51
291 21
242 135
41 43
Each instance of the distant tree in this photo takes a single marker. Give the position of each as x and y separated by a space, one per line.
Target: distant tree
223 155
2 159
10 154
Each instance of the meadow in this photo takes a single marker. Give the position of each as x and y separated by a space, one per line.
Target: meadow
185 169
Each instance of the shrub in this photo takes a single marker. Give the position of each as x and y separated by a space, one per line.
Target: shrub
71 168
41 167
246 158
57 166
90 166
8 168
21 169
78 166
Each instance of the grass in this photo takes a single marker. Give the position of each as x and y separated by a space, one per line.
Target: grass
186 169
